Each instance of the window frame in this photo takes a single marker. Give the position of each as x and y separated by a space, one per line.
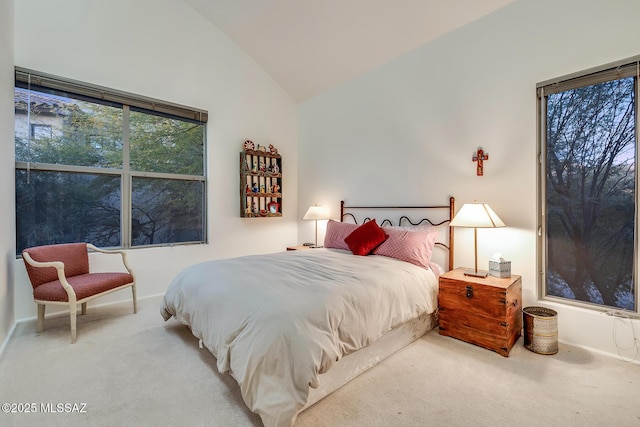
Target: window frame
629 67
25 78
33 134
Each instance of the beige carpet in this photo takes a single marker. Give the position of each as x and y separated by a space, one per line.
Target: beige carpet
138 370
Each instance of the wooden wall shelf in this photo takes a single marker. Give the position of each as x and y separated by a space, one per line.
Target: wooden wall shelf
260 184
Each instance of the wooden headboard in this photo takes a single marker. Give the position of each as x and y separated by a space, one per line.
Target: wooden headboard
442 213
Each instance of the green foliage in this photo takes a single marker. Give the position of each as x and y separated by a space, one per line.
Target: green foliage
161 144
167 211
83 134
54 207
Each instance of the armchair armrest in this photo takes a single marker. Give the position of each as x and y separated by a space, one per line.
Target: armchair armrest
113 251
59 266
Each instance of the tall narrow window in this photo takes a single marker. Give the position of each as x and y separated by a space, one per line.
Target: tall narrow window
101 166
588 188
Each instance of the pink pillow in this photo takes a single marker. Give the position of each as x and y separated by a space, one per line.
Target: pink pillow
414 246
336 233
365 238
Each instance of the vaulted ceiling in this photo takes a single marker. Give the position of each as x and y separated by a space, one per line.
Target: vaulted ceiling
309 46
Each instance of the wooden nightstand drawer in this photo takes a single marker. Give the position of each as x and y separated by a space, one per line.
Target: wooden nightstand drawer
486 312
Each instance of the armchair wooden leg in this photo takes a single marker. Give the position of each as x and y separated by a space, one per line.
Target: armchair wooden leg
72 316
135 302
84 308
40 326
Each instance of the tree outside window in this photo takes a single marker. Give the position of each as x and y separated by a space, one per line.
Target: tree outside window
589 184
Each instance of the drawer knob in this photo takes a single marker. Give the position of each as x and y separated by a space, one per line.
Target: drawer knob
469 291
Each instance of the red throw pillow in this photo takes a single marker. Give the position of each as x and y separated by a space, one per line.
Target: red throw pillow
365 238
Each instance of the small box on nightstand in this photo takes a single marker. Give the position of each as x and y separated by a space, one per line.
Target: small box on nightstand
500 269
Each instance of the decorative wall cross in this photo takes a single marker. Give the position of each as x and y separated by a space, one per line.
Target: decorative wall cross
480 156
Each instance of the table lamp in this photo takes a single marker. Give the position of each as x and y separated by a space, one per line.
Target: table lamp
476 215
316 213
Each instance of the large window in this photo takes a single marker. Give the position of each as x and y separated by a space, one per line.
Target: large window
588 187
105 167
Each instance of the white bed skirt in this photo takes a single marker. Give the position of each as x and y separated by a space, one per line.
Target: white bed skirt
356 363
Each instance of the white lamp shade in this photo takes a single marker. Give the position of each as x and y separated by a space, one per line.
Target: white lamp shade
316 212
476 215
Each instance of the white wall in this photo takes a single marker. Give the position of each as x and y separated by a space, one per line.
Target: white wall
164 49
405 132
7 176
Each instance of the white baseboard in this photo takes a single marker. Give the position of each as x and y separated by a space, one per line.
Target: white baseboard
5 343
603 353
64 313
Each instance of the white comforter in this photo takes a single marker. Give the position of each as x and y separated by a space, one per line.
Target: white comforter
278 321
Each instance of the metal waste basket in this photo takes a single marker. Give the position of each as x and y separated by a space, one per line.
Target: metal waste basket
540 330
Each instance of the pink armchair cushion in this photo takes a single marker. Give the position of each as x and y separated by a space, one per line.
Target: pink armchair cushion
84 285
74 256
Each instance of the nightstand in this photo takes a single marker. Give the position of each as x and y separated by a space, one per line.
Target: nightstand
483 311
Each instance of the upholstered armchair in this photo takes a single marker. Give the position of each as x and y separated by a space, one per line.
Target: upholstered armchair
60 275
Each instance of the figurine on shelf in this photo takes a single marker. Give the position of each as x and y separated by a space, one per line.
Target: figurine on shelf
249 145
248 189
273 150
275 188
275 168
262 189
255 167
261 148
255 208
274 207
263 167
255 187
248 213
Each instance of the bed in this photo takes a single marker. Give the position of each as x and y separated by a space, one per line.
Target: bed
292 327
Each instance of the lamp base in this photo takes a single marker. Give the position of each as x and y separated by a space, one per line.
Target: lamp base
473 273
